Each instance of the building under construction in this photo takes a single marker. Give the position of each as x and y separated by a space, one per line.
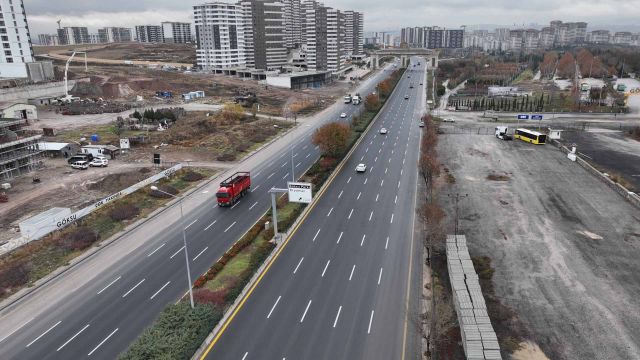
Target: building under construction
19 152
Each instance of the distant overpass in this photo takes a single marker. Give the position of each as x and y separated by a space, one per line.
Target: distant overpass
405 55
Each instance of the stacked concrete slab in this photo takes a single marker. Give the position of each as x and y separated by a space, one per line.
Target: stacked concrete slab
478 337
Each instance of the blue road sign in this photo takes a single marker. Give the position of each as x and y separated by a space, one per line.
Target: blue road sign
523 117
536 117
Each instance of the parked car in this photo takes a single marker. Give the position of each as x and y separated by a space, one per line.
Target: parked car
80 157
343 115
383 131
361 168
80 165
448 120
99 162
406 97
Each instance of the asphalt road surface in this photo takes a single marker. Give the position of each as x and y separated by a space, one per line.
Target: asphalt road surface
100 320
339 288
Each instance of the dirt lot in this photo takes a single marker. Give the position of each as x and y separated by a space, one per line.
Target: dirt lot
610 151
564 245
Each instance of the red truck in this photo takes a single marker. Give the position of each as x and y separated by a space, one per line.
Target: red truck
233 188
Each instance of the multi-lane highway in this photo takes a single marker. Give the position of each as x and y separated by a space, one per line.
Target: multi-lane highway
101 318
339 288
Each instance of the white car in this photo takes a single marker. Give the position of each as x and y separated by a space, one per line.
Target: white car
343 115
80 165
406 97
361 168
448 120
99 162
383 131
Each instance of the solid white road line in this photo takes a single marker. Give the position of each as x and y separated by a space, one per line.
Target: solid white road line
16 329
339 237
210 225
360 193
193 222
284 177
335 322
102 342
365 181
362 241
349 179
371 215
272 308
371 169
254 204
352 269
370 321
176 253
297 266
133 288
362 158
316 235
377 195
200 253
105 288
385 170
367 150
255 188
386 244
325 268
401 171
339 195
305 311
298 164
330 212
381 182
269 177
44 333
236 204
398 184
245 355
230 226
283 165
158 248
380 276
73 337
309 154
391 218
350 213
157 292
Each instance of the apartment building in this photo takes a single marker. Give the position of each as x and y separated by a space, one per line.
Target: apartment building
264 36
293 24
15 39
176 32
325 37
148 33
622 38
432 37
219 35
114 34
73 35
599 37
354 32
48 40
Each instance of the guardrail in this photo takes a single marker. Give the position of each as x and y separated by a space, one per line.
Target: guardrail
478 337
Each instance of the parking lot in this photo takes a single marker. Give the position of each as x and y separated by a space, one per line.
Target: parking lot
564 246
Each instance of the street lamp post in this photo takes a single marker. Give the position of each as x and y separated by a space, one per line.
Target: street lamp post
184 240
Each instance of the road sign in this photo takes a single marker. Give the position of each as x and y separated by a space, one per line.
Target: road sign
523 117
299 192
536 117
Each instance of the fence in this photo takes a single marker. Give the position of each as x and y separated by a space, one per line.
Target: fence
478 337
633 198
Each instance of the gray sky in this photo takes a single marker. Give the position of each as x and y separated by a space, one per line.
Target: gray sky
379 14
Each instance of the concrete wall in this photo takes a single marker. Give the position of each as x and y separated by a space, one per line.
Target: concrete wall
13 70
34 91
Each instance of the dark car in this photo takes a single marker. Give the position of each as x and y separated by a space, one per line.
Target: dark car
80 157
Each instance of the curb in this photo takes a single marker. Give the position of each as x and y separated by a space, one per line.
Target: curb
261 271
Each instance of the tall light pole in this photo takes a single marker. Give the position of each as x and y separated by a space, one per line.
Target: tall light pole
184 240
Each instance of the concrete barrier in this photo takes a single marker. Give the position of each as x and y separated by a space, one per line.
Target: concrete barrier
23 93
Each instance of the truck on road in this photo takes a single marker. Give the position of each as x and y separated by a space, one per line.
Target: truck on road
356 99
233 188
502 133
347 99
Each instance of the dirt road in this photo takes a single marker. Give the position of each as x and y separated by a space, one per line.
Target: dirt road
565 247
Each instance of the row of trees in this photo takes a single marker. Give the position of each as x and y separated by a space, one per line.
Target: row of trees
524 103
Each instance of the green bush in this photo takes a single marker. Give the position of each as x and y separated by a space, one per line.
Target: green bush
192 176
14 274
176 334
80 238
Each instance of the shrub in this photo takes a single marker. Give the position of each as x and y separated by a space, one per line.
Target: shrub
192 176
166 189
241 147
14 273
80 238
206 296
226 157
176 334
124 211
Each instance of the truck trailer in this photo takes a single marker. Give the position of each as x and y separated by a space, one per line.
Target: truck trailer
233 188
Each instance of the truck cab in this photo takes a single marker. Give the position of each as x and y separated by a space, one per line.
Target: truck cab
501 133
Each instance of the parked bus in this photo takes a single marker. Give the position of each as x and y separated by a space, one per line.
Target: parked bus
530 136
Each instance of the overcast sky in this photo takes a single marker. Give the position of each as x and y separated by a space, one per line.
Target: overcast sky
380 15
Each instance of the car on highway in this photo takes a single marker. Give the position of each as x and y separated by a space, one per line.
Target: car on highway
421 124
450 120
343 115
411 86
406 97
361 168
420 83
80 165
383 131
99 162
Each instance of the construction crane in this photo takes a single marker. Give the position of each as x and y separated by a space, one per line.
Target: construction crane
67 97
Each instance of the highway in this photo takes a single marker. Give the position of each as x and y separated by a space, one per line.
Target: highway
339 287
102 317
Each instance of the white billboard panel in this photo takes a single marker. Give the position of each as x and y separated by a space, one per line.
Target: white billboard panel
299 192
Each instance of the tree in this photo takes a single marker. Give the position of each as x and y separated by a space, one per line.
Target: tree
371 102
136 114
567 66
384 88
332 139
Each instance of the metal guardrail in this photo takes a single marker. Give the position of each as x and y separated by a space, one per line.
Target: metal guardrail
478 337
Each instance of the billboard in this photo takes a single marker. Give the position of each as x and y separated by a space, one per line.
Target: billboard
299 192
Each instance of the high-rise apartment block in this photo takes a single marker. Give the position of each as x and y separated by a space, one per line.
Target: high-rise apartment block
73 35
149 33
114 34
48 40
176 32
270 34
219 35
432 37
14 35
